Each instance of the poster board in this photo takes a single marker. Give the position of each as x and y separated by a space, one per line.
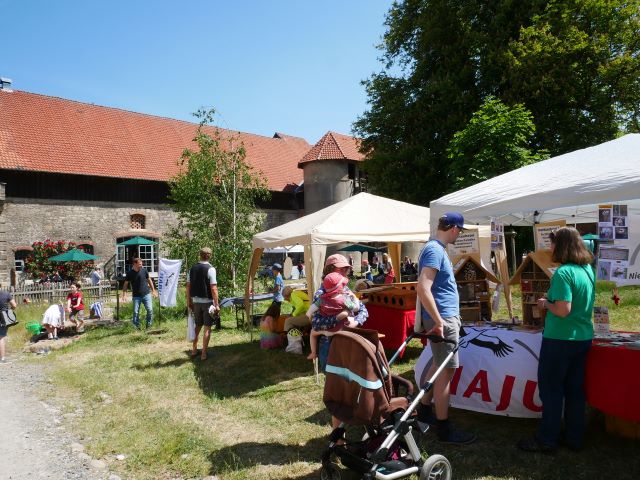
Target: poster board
541 233
619 258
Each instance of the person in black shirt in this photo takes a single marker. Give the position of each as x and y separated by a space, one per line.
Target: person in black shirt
202 300
6 302
142 289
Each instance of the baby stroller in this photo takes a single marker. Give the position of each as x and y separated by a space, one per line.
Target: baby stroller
359 390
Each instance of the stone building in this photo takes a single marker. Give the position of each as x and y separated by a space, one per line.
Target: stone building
98 176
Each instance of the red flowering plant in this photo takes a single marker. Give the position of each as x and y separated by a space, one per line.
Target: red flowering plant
38 265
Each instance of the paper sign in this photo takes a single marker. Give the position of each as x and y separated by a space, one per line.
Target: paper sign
497 234
467 243
600 320
542 231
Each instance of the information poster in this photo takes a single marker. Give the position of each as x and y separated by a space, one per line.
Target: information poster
542 231
613 262
467 243
497 234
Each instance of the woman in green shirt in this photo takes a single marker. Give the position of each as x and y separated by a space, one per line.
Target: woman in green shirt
566 340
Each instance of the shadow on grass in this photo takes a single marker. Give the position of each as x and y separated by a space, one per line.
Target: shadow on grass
250 454
236 370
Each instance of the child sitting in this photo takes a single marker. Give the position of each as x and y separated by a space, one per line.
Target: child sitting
332 310
269 336
75 307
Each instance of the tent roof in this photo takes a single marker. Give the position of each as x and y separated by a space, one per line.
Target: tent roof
361 218
568 186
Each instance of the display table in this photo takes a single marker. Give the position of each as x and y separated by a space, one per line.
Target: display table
238 303
613 382
395 324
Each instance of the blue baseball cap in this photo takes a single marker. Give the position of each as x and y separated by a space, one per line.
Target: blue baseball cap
276 266
452 219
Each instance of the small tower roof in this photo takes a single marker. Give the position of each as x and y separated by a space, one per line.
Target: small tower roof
334 146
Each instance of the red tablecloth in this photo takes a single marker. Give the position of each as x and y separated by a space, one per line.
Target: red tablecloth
612 381
395 324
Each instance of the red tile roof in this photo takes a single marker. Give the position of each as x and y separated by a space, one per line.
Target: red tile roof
50 134
334 146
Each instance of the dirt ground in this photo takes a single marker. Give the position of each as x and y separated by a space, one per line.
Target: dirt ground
35 442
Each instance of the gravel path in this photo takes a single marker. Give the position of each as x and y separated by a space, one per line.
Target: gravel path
35 443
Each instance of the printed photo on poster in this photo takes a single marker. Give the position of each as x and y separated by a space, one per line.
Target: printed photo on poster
605 214
497 234
620 211
605 232
621 233
613 263
604 270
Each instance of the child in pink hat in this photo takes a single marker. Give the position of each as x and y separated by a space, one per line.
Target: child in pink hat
331 310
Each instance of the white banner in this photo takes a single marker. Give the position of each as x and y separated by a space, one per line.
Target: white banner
168 274
498 372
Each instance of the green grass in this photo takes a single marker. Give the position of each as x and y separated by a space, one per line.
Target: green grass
248 413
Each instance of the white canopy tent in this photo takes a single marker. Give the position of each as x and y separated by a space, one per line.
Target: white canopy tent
568 186
361 218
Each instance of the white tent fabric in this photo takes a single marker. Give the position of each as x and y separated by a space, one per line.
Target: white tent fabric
568 186
361 218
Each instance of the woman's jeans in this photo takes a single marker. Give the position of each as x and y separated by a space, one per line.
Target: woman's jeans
148 306
561 372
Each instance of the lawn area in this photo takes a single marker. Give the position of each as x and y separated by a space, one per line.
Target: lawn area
248 413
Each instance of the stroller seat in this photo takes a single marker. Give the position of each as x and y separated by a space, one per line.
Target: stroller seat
360 390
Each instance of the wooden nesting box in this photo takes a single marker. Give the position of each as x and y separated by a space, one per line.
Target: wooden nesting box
534 277
473 288
403 299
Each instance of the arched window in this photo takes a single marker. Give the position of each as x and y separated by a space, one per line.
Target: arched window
137 221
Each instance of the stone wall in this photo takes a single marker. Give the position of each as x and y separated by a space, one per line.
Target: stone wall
24 221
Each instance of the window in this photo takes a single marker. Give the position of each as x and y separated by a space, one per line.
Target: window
149 256
137 221
20 256
87 248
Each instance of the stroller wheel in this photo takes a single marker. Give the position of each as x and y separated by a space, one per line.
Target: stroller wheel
330 471
436 467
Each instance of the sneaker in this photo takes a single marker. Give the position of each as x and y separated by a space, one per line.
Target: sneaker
532 444
458 437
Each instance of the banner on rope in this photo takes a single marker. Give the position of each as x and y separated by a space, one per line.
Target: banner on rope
168 274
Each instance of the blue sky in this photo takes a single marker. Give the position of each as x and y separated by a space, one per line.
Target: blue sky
265 65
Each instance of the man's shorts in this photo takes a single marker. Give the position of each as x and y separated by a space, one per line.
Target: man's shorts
201 314
3 331
451 331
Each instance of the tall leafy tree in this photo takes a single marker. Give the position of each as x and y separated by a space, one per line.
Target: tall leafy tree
442 58
577 68
494 142
215 198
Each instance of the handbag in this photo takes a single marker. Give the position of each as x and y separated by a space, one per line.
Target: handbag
191 327
8 318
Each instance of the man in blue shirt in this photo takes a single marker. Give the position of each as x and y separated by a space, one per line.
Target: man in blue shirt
438 295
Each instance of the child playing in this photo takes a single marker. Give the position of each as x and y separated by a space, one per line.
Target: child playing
52 320
333 309
75 307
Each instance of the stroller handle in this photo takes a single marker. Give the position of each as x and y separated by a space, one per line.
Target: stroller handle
434 338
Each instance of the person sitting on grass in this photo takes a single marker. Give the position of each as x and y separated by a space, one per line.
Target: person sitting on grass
75 307
300 302
332 310
269 336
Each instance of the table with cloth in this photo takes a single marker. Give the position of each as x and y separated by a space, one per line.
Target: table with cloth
395 324
613 382
498 374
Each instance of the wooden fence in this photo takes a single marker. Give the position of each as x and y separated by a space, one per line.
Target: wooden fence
51 292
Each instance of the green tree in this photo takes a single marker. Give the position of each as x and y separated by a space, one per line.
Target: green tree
442 58
494 142
577 69
215 197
